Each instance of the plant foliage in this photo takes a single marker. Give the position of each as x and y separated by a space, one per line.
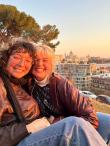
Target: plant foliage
14 23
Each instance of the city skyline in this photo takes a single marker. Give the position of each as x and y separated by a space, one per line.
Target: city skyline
84 25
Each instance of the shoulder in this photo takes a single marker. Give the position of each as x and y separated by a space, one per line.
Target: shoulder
60 80
58 77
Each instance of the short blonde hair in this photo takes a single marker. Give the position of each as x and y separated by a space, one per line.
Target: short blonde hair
42 48
45 49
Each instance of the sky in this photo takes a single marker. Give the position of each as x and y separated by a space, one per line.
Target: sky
84 25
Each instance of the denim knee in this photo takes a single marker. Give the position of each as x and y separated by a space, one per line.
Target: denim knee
75 120
72 121
104 124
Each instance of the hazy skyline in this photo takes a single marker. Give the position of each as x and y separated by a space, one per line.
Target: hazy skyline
84 25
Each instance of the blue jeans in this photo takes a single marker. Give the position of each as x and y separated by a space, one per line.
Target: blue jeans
71 131
104 126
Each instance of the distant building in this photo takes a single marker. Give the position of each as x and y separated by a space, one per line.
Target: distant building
100 84
59 58
103 68
79 74
98 60
71 58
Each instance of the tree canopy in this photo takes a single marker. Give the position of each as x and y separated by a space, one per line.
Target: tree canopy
14 23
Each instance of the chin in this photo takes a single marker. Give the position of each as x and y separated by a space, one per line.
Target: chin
39 79
17 76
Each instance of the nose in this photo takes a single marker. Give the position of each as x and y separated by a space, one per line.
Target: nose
39 63
21 62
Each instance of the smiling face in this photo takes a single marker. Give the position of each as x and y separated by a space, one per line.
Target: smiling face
43 65
19 64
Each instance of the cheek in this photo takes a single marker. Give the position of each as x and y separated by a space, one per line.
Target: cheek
28 66
10 67
10 64
48 68
34 73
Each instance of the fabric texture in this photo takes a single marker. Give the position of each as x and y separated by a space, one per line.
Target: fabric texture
72 131
104 126
28 105
11 131
38 124
12 134
67 100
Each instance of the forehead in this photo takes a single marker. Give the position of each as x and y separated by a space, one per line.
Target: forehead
23 55
20 52
43 54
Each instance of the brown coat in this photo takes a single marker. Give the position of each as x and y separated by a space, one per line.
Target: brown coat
67 99
13 133
28 105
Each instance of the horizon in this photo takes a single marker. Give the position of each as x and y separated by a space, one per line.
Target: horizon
84 25
63 54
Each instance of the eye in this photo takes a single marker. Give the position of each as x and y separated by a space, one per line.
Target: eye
16 57
45 60
28 61
37 60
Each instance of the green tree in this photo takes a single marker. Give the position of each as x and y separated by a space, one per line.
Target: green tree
14 23
48 33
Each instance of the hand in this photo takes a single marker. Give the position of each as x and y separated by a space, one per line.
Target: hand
53 119
37 125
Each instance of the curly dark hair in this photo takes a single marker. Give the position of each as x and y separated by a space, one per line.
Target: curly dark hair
16 47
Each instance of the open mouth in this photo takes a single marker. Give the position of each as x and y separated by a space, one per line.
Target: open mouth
39 69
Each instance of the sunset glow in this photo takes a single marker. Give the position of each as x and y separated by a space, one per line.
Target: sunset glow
84 25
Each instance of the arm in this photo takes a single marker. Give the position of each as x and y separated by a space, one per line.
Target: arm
12 134
75 104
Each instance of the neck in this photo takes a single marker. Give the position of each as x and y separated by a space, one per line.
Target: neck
42 83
